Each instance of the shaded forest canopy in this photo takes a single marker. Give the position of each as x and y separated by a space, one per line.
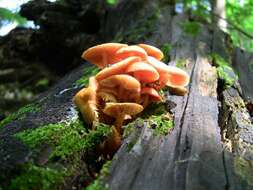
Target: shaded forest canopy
46 144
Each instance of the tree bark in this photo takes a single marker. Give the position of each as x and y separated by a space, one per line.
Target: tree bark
219 10
210 146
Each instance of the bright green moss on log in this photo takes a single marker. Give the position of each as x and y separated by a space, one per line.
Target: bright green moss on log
157 118
88 72
161 124
38 178
99 184
181 63
224 70
68 142
160 120
20 114
66 139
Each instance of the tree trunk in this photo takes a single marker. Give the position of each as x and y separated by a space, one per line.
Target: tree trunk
210 146
219 11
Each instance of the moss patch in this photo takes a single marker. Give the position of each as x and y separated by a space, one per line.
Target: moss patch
224 70
243 168
159 118
34 178
166 48
20 114
112 2
66 139
99 184
191 28
88 72
162 124
181 63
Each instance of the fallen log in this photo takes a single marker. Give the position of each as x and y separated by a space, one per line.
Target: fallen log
47 145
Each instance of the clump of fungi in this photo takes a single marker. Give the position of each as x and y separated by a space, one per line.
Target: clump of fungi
129 80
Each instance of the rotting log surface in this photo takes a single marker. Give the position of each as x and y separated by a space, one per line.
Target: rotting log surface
210 146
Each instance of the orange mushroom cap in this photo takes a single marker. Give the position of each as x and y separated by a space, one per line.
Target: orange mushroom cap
128 86
120 110
103 55
112 91
143 72
153 94
129 51
117 109
152 51
176 76
93 83
126 81
117 68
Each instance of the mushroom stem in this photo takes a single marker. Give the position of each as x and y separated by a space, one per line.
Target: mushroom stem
104 59
145 101
119 122
112 144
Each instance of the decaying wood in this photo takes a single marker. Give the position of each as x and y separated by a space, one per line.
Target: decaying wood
210 146
193 155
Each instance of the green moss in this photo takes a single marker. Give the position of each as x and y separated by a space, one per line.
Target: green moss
20 113
166 48
162 124
181 63
66 139
154 109
225 72
112 2
88 72
158 118
130 126
191 28
42 83
99 184
38 178
243 168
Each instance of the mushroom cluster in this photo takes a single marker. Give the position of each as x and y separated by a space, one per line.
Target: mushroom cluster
130 79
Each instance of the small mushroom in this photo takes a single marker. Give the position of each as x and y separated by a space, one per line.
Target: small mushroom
129 51
117 68
143 72
175 76
120 110
148 95
86 101
111 144
152 51
103 55
128 86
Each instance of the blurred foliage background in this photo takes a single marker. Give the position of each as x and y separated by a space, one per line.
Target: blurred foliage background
19 85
